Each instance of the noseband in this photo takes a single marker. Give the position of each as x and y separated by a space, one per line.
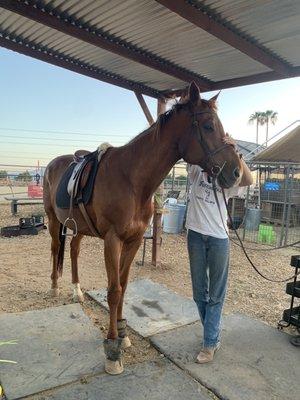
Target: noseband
216 169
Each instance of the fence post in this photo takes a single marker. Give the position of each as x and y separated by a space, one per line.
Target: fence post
157 216
283 222
157 226
289 190
173 177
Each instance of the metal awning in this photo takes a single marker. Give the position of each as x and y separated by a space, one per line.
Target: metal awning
157 47
286 149
247 149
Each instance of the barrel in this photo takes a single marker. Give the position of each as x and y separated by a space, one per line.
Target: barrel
252 220
173 218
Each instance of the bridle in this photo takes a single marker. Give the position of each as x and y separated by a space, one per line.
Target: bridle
209 166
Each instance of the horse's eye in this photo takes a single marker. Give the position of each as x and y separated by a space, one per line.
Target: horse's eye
208 127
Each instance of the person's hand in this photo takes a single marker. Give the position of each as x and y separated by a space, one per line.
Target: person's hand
227 139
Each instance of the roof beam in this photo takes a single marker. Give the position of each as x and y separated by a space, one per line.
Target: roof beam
257 78
145 108
41 53
243 81
96 37
206 21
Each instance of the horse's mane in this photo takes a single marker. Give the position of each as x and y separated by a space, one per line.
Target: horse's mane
163 118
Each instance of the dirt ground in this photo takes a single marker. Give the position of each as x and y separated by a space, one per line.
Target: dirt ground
25 277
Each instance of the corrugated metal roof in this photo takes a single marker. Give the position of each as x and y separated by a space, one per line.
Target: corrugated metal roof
152 27
71 47
148 26
247 148
274 24
286 149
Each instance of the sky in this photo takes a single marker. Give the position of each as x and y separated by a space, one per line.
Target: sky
46 110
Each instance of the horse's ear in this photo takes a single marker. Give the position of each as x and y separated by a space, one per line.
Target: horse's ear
213 100
194 93
184 96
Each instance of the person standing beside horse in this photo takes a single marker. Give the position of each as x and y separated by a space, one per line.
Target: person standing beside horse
208 248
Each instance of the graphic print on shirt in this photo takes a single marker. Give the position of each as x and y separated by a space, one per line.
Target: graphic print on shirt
206 192
203 215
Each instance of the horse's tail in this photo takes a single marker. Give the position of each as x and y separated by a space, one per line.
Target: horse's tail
61 251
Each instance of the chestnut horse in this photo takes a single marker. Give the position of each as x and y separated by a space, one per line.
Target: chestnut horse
121 203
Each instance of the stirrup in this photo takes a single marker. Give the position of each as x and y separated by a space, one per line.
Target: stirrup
65 228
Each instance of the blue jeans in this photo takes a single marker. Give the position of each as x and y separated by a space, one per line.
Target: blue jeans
209 260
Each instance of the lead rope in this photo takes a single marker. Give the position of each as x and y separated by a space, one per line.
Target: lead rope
238 236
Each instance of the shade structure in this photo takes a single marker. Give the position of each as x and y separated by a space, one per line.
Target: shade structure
286 149
157 47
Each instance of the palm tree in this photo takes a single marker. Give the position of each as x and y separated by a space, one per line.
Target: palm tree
269 116
257 116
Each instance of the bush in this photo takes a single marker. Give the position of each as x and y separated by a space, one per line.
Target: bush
24 176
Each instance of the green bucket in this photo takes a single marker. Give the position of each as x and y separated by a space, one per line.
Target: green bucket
266 234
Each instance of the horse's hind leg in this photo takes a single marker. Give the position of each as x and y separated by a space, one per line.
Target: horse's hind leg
54 229
75 247
129 251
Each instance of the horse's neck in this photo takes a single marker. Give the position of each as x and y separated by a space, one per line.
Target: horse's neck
153 154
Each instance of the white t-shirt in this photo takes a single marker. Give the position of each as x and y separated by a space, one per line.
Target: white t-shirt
203 215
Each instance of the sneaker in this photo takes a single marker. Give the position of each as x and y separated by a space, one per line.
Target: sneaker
207 354
295 341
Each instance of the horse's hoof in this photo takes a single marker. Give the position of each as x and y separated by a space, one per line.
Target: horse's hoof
54 292
114 367
78 298
125 343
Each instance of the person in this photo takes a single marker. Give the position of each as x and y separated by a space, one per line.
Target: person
208 249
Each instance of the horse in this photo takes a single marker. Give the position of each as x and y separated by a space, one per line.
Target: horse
121 203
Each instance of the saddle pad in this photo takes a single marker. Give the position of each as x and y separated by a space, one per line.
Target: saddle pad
62 195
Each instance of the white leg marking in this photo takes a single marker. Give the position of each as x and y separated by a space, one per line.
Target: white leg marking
77 293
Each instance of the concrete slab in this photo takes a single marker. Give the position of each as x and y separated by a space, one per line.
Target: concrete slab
151 308
55 346
255 362
147 381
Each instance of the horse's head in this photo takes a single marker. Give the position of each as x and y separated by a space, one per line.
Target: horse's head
203 144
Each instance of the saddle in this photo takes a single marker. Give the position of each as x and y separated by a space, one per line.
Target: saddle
84 161
76 186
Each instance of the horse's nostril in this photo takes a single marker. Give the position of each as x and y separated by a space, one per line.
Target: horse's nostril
236 173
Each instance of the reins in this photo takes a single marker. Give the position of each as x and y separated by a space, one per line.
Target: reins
240 244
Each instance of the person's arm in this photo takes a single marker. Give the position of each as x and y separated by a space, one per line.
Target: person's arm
193 171
246 179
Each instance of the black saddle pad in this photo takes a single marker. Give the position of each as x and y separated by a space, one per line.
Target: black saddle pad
62 195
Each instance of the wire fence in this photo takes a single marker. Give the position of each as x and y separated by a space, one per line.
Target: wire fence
17 180
270 212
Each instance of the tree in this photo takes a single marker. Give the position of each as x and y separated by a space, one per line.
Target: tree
269 116
24 176
257 117
3 174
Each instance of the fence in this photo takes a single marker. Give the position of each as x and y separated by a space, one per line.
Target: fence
15 179
176 182
270 212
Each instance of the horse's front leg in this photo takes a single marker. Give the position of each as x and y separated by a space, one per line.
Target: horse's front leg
112 345
128 253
